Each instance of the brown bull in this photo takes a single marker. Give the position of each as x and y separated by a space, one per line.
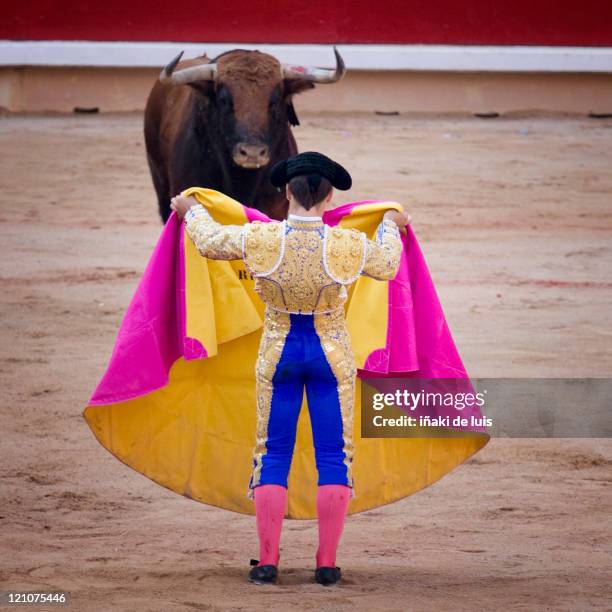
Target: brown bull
222 123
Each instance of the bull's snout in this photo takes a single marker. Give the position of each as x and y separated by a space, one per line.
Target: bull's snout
251 155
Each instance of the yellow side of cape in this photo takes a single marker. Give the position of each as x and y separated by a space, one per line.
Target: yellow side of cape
196 435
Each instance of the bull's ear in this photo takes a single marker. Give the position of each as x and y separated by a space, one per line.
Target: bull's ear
291 114
295 86
292 87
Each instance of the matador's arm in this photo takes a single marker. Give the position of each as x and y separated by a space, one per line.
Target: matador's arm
382 258
213 240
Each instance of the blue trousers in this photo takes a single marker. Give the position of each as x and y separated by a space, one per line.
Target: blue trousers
297 352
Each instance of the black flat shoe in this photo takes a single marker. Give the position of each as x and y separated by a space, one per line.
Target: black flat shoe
263 574
327 575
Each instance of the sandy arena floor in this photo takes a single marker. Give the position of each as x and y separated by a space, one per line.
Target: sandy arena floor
515 219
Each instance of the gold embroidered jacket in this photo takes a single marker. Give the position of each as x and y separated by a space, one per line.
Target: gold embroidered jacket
300 264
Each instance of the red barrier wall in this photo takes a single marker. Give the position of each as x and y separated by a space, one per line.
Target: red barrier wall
486 22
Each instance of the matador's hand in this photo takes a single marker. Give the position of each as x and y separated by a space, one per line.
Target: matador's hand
181 204
401 219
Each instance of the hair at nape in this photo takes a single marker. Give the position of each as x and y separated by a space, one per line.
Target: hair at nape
309 189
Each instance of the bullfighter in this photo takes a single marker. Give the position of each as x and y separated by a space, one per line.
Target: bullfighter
302 269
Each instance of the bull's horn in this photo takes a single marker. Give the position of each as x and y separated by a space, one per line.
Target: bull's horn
202 72
316 75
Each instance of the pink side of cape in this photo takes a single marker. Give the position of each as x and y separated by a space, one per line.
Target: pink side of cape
152 335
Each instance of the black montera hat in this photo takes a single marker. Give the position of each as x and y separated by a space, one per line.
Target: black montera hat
310 162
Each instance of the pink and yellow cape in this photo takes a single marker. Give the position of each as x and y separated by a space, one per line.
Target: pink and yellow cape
177 401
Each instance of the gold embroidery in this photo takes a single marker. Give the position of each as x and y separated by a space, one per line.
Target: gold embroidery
382 259
269 291
301 282
344 250
212 239
336 344
274 333
262 245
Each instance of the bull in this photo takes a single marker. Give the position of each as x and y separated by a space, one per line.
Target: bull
223 122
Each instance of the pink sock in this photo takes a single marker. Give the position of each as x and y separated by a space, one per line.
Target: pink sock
270 508
332 504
